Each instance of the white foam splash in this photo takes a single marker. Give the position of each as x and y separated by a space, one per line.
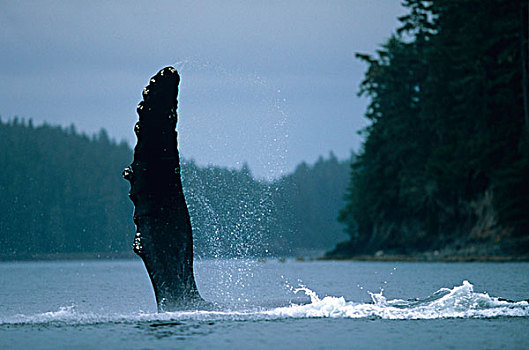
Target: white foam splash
458 302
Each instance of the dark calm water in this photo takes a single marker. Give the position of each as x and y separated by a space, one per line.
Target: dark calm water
338 305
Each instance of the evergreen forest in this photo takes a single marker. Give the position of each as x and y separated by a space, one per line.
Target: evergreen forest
62 193
445 161
444 166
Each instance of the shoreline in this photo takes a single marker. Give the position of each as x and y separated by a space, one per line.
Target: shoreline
69 256
300 258
429 258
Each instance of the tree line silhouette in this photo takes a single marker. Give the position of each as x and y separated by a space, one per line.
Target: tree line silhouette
62 192
445 162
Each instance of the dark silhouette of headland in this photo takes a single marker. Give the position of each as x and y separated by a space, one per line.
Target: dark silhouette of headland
163 238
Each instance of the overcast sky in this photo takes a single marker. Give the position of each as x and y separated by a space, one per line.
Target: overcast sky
272 83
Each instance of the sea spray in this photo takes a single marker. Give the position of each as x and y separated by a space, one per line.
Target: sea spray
457 302
232 215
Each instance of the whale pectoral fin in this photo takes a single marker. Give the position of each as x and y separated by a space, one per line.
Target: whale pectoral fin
164 239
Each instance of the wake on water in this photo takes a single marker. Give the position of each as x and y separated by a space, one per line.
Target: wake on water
457 302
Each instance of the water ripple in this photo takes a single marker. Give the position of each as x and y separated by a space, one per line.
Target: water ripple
457 302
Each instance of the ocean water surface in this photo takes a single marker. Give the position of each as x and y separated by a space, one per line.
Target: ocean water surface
272 304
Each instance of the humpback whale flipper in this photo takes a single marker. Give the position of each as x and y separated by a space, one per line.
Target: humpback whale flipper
164 239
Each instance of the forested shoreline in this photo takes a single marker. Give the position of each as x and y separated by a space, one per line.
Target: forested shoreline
445 163
443 171
63 195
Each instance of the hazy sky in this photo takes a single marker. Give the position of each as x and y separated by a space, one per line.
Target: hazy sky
272 83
